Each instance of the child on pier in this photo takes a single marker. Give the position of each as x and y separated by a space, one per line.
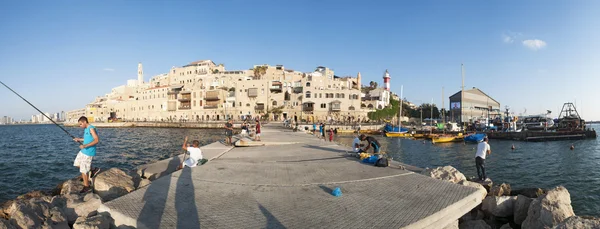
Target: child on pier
195 154
330 134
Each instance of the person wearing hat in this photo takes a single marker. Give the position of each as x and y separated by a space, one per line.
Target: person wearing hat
483 149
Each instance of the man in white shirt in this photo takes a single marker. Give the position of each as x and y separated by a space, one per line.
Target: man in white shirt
356 144
195 154
483 149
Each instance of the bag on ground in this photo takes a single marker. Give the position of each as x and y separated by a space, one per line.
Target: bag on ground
382 162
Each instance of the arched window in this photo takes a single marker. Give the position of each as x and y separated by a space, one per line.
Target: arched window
247 104
308 95
370 106
363 105
308 84
351 108
274 103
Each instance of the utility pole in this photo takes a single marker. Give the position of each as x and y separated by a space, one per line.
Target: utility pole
462 96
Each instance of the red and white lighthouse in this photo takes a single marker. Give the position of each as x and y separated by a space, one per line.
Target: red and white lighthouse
386 80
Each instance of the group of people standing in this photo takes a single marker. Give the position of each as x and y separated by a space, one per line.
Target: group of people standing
321 131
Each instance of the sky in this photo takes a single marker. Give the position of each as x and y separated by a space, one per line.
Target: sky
531 56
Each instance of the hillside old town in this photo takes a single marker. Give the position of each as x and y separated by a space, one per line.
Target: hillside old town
205 91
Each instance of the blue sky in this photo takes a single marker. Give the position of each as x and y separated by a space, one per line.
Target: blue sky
532 55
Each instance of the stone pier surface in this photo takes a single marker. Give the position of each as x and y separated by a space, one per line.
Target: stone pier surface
289 186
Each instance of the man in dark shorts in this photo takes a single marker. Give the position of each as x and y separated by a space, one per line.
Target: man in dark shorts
372 142
229 131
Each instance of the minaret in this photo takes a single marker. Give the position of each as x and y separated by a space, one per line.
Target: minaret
140 74
358 80
386 80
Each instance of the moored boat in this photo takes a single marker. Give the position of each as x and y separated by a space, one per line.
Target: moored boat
398 134
447 138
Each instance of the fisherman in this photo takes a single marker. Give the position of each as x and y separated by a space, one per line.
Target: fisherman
87 152
356 145
483 149
371 142
195 154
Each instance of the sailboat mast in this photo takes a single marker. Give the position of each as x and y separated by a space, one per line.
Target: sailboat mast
462 95
431 117
443 116
400 116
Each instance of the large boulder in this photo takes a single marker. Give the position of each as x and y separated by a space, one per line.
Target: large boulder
528 192
72 186
478 186
447 173
100 221
501 206
474 224
37 213
577 222
113 183
5 224
75 208
549 209
521 207
506 226
500 190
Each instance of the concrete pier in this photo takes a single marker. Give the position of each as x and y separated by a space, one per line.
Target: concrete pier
276 185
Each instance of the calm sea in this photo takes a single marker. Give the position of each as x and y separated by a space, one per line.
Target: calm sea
38 157
532 164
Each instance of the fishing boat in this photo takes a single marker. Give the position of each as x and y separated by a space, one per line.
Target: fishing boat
447 138
398 131
474 138
419 136
398 134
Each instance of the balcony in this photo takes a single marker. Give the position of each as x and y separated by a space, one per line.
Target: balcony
185 97
276 86
259 107
308 106
184 108
211 104
335 106
212 95
297 89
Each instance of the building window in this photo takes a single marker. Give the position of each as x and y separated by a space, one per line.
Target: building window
247 104
308 84
274 103
323 105
308 95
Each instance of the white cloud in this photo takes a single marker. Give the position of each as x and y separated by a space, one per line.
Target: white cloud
109 69
534 44
507 38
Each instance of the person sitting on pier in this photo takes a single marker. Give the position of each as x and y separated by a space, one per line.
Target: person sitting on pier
372 142
356 145
195 154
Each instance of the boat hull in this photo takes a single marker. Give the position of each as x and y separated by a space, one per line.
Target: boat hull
398 135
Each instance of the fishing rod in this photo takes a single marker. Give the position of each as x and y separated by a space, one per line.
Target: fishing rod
39 111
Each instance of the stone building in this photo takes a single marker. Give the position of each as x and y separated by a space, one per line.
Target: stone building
205 91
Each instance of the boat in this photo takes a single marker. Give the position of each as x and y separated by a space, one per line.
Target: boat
398 134
419 136
447 138
397 131
370 131
474 138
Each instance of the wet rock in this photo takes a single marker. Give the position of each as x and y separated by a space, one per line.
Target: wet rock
447 173
5 224
528 192
112 184
521 207
506 226
500 190
32 194
480 187
549 209
474 224
501 206
100 221
37 213
577 222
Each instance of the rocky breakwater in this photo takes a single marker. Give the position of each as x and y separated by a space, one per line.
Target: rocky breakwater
524 208
65 207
